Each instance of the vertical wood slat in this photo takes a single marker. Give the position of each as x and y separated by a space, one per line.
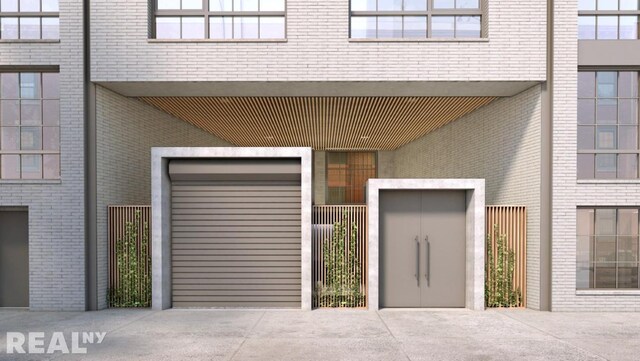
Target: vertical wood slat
512 222
324 216
117 218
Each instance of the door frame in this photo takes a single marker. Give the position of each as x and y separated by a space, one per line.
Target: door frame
475 232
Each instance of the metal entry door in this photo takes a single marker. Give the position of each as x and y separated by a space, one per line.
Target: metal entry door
422 248
14 259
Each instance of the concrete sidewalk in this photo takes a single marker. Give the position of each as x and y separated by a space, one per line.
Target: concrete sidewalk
337 334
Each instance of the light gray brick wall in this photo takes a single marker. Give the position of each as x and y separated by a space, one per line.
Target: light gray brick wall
318 48
127 129
499 142
56 209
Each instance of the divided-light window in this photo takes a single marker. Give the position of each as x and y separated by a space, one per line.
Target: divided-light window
220 19
29 20
416 19
608 19
347 176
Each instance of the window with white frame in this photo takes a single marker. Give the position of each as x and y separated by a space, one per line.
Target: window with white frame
29 20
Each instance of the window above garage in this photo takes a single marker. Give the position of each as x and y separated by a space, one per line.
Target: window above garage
347 176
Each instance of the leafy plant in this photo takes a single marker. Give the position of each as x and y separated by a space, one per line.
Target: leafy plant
342 266
133 265
500 290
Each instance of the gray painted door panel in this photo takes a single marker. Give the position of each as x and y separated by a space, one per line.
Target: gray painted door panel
14 259
438 220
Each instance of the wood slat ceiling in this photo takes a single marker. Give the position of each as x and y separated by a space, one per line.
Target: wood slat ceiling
383 123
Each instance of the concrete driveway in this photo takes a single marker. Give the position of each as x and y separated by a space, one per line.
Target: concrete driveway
336 334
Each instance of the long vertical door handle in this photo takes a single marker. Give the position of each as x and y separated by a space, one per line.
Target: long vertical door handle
428 254
418 261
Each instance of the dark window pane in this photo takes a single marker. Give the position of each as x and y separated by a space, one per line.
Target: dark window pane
29 5
586 4
272 27
628 84
586 166
389 27
607 112
245 28
220 5
9 5
607 4
29 85
415 5
31 138
9 28
586 27
628 27
220 27
51 166
389 5
584 268
443 4
628 166
442 26
245 5
628 4
168 28
467 26
10 86
10 112
606 224
607 84
50 5
606 166
607 27
51 138
10 138
30 112
272 5
10 166
586 137
415 27
168 4
51 85
191 4
628 137
31 166
29 28
606 137
50 28
586 84
468 4
193 27
363 27
51 112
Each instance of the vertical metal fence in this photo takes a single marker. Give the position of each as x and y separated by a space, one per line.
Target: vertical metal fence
324 216
511 222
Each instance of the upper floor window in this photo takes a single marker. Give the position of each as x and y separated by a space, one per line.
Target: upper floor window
608 19
416 19
29 126
607 249
29 20
608 125
220 19
347 176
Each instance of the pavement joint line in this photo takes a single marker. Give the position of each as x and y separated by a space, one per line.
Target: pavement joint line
393 336
246 336
504 314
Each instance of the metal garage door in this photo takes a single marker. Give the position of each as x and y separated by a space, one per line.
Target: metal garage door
236 232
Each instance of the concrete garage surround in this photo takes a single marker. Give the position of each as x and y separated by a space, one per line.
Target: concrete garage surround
475 232
161 214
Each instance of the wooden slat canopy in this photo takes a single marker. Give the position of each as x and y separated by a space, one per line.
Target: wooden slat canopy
383 123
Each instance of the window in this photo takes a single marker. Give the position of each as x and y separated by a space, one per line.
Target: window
220 19
29 20
347 175
608 19
29 126
607 250
415 19
608 125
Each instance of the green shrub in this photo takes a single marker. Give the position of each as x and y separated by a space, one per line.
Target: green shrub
499 289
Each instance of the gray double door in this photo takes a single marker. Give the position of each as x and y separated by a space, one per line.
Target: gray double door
422 248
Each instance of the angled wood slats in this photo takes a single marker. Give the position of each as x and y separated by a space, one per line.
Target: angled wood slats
384 123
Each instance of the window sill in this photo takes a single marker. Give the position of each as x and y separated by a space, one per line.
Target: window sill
30 181
427 40
217 40
607 292
609 181
29 41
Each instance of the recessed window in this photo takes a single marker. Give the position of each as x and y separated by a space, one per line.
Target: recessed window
415 19
608 248
29 126
608 19
608 146
220 19
347 175
29 20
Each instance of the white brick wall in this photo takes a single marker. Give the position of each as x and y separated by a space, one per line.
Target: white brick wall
127 129
56 209
499 142
318 49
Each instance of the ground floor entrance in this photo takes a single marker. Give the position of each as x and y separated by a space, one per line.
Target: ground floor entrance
14 258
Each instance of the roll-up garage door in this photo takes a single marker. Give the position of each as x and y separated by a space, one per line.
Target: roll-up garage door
236 232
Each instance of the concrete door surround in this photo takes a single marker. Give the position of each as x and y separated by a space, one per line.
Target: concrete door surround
475 238
161 211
